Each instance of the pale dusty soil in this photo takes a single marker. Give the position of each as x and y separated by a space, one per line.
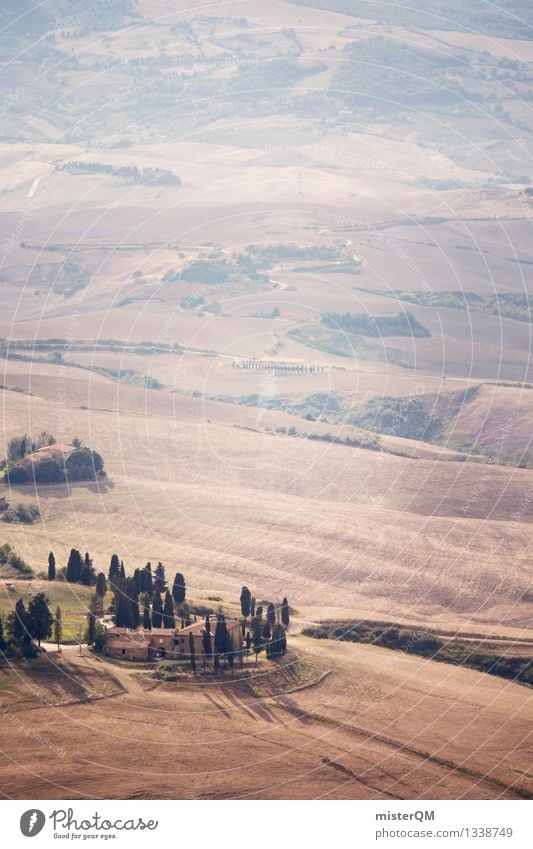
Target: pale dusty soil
334 721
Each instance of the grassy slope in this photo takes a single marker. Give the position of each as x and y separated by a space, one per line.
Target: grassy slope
73 599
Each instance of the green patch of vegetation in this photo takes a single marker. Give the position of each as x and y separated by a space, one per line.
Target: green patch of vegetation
275 313
396 75
341 344
212 272
191 302
401 324
367 441
171 671
426 643
128 376
146 176
214 308
405 417
200 609
216 270
257 81
12 565
479 16
516 305
25 514
265 256
71 279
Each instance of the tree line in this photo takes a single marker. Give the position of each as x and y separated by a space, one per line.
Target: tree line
268 633
141 600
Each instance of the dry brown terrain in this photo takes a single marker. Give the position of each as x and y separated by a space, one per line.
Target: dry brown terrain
402 155
335 722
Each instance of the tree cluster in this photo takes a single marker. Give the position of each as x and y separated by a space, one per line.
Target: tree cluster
24 626
268 634
81 464
145 599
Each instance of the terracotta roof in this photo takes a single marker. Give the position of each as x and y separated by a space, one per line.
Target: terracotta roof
129 635
198 627
56 447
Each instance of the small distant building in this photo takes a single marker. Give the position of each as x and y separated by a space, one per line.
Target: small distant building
59 452
170 643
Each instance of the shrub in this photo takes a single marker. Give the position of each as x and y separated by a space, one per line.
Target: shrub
9 558
16 474
48 471
81 465
26 513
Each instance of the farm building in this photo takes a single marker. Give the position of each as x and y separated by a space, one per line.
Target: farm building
58 452
171 643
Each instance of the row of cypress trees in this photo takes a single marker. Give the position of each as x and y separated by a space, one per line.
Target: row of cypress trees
79 570
250 608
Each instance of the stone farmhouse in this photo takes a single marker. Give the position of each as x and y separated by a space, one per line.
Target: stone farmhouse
171 643
58 452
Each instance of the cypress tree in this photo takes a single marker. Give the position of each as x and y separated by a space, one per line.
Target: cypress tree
223 644
192 655
74 566
157 610
118 611
206 639
148 581
168 612
18 623
114 570
159 582
147 619
178 588
246 599
138 578
278 644
101 585
124 617
133 597
271 615
122 572
91 619
252 606
285 618
257 639
87 575
39 618
58 627
51 567
230 649
3 644
259 612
